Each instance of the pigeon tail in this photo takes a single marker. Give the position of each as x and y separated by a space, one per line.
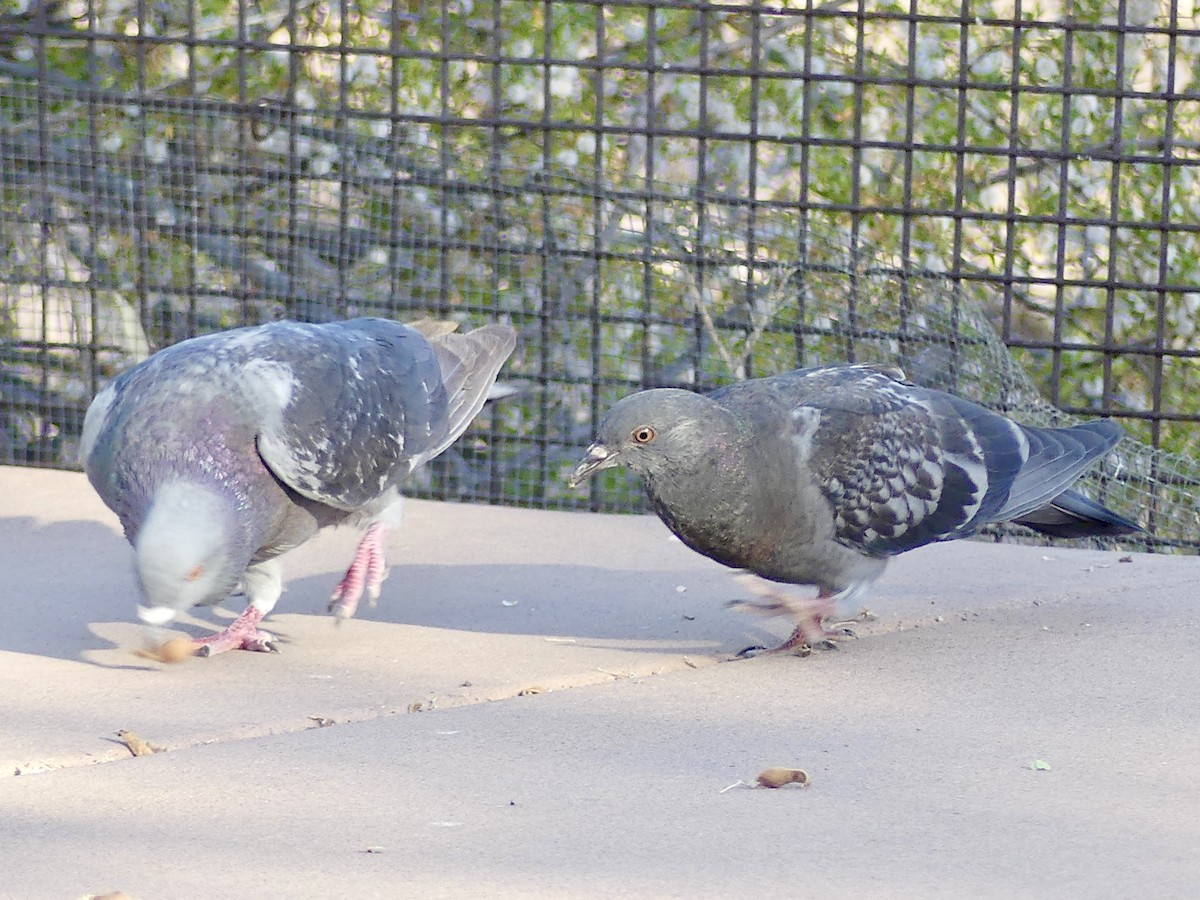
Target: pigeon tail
1073 515
1057 457
469 363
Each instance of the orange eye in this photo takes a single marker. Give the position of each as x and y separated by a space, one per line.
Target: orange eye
194 574
643 435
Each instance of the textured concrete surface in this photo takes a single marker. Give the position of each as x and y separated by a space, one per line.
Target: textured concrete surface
547 704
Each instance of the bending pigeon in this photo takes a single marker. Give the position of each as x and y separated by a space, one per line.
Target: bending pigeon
222 452
818 476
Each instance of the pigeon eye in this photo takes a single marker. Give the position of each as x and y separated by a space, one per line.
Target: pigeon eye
195 573
643 435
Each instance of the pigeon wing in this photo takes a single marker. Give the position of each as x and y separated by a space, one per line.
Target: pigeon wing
900 466
904 466
469 364
348 409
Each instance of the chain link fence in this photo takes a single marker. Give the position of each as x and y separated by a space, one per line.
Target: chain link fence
1003 197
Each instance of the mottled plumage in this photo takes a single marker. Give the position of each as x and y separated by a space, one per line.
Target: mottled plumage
222 452
818 476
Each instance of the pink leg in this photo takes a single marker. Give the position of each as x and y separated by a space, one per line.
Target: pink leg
810 628
242 634
368 570
809 614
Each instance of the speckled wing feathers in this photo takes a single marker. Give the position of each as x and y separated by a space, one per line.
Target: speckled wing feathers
899 468
902 466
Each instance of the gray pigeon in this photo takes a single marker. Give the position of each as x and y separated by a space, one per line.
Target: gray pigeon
818 476
222 452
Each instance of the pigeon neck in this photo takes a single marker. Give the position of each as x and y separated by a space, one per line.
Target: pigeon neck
707 473
702 495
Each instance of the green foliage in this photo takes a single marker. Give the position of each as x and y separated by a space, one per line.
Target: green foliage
330 128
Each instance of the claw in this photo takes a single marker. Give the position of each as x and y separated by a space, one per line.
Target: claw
801 649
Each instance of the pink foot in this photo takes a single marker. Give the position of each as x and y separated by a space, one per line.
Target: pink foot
368 570
242 634
809 614
811 633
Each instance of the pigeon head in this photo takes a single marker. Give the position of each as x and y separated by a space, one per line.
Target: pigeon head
656 430
183 551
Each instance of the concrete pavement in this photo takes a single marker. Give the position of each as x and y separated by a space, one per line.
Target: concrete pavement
545 704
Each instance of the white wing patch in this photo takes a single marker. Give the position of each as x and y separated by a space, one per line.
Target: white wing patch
971 463
1022 441
976 472
298 464
271 381
301 462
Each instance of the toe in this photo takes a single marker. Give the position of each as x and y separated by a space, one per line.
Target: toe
261 643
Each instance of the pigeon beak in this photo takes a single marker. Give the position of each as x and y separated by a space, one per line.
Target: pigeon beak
598 457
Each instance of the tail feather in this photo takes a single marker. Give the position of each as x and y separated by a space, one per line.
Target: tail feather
1057 457
469 363
1072 515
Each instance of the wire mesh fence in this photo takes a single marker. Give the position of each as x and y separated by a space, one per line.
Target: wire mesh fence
1002 197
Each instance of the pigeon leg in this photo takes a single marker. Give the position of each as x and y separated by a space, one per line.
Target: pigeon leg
368 570
242 634
809 614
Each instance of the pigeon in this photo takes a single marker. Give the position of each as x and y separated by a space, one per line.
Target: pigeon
818 476
222 452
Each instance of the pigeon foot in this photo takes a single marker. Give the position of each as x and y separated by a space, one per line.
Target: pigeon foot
809 613
242 634
366 573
